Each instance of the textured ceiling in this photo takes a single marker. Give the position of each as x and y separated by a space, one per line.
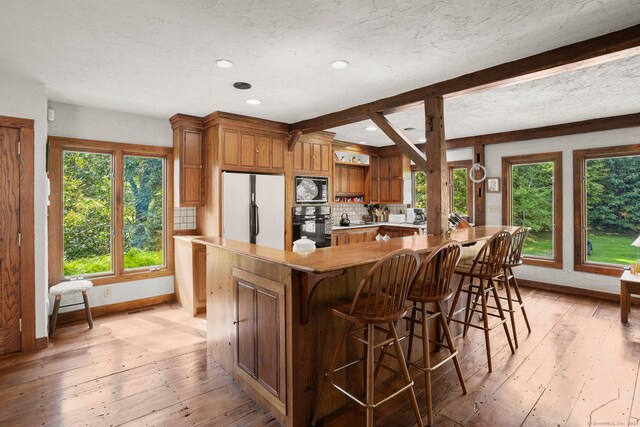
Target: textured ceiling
605 90
157 57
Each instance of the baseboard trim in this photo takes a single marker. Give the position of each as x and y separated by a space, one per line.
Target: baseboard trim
77 315
574 291
42 343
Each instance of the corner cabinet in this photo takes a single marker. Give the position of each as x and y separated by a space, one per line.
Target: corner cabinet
260 343
188 157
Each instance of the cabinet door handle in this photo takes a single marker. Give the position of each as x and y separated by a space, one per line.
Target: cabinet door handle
235 322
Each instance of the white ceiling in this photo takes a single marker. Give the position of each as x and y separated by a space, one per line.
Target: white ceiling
605 90
157 57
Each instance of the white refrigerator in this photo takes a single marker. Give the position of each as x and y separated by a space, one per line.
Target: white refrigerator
253 208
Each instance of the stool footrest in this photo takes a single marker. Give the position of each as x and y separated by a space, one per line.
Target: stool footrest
360 402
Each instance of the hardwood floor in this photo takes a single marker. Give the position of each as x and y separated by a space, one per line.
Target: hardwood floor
578 366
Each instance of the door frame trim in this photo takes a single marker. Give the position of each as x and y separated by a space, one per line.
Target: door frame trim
27 249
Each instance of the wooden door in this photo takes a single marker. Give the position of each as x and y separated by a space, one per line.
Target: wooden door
307 153
277 153
263 151
395 166
247 150
396 190
231 148
325 156
341 239
316 157
356 180
200 278
246 325
356 237
370 235
374 194
191 168
341 180
10 313
268 336
298 153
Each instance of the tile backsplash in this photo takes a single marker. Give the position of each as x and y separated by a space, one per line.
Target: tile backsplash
359 210
184 218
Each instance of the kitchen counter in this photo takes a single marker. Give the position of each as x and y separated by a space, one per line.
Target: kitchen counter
378 224
267 322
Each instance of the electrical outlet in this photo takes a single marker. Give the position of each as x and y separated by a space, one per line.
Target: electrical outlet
107 291
494 208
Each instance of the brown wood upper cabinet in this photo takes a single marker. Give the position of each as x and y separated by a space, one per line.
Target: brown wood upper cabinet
387 179
312 154
189 159
246 150
349 180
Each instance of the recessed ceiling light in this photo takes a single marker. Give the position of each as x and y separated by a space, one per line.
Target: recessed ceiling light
363 142
371 128
242 85
423 140
224 63
253 101
339 64
409 129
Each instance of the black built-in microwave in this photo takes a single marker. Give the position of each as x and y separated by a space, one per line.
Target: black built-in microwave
312 190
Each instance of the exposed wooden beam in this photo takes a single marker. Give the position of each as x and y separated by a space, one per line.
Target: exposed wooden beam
404 144
439 188
479 215
584 126
293 139
598 50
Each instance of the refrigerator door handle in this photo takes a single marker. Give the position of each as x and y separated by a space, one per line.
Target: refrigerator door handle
257 220
252 219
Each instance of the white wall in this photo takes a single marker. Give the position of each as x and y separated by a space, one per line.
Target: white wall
27 99
75 121
566 144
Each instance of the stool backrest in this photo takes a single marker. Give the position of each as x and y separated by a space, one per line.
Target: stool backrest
433 280
515 248
490 259
384 289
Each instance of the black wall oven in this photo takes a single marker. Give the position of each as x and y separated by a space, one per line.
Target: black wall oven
313 222
312 190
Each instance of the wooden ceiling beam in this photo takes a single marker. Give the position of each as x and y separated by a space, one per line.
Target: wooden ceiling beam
404 144
584 126
598 50
293 139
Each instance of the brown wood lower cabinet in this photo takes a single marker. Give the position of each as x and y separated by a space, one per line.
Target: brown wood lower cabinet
367 234
190 275
260 333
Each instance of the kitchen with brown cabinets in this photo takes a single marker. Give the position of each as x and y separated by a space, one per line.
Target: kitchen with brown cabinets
150 174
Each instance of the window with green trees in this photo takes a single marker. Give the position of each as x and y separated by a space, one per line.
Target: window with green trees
460 191
143 212
606 208
108 214
532 197
419 189
87 221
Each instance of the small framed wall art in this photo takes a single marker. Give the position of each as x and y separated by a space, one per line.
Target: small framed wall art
493 185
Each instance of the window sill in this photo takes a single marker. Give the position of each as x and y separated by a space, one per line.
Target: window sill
607 270
129 277
541 262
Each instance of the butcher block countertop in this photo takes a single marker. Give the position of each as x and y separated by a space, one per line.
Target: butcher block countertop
324 260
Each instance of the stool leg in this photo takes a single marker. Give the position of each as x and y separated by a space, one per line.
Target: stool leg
54 315
87 309
485 321
516 288
329 374
455 299
512 315
405 374
452 348
502 316
427 365
411 329
370 373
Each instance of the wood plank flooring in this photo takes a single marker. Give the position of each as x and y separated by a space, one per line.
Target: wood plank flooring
578 367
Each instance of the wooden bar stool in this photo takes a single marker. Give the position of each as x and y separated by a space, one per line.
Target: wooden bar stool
433 285
70 288
379 300
486 267
514 259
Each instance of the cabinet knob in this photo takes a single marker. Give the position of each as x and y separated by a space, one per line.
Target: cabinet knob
235 322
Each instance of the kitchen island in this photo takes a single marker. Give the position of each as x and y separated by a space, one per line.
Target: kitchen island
267 325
